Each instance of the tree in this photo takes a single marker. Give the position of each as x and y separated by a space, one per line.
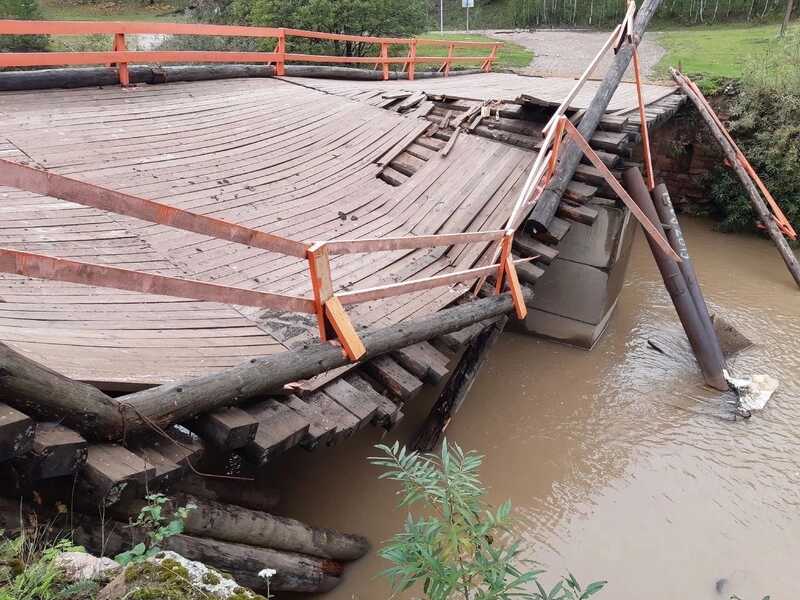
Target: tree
787 17
356 17
22 9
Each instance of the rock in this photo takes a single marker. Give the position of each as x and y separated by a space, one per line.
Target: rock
170 576
79 566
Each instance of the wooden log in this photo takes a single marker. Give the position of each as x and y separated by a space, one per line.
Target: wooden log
231 523
36 390
458 386
16 433
228 428
57 451
171 403
252 496
546 206
295 572
756 201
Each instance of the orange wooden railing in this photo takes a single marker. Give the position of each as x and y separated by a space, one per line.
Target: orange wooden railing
327 305
121 57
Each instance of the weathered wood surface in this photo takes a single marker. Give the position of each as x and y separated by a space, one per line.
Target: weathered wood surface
234 149
16 432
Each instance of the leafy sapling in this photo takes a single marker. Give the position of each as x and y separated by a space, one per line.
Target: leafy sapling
459 546
157 526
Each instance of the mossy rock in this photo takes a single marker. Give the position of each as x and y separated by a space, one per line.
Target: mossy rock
169 576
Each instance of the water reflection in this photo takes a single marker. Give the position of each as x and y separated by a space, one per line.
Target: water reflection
622 465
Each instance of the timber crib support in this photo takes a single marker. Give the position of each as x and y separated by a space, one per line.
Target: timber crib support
331 316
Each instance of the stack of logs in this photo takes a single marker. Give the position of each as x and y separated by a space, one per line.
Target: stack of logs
238 539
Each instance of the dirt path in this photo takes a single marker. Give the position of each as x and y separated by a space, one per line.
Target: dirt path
566 53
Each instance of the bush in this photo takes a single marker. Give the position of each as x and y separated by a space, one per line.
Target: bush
459 547
22 9
765 122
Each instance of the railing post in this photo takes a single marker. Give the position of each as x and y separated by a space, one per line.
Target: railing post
507 273
412 59
280 62
122 67
447 61
385 57
331 317
487 64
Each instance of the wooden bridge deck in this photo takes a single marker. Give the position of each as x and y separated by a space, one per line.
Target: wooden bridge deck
265 153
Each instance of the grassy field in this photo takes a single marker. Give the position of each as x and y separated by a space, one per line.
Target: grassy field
108 10
716 51
510 56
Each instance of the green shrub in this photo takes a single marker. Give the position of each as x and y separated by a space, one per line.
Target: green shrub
22 9
459 547
765 122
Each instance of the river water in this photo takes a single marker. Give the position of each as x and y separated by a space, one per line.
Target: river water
620 464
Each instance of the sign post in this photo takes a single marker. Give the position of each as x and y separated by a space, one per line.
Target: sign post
467 4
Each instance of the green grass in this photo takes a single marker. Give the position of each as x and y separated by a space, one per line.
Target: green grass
715 52
110 10
510 56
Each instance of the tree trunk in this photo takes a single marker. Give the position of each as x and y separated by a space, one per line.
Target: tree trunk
229 523
786 17
36 390
546 206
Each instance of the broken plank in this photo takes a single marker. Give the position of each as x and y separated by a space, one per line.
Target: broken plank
424 361
279 429
555 232
529 272
346 422
110 469
228 428
352 399
576 212
527 247
392 176
321 429
399 381
57 451
407 163
388 413
16 432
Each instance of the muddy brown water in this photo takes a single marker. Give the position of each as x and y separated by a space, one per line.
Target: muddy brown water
620 464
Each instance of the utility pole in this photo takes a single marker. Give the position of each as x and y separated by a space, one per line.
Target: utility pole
441 16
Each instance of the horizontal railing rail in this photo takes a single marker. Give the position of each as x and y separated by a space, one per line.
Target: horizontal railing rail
326 304
120 56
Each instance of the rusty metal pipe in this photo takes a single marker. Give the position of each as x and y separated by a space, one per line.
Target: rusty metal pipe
676 287
669 220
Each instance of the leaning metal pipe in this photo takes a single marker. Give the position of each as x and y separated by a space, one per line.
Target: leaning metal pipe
677 289
666 213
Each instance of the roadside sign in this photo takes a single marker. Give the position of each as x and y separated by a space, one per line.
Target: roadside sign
467 3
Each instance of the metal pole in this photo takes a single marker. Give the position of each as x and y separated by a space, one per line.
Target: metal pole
441 16
667 216
467 18
676 286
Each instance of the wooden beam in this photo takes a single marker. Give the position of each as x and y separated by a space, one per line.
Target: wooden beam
16 432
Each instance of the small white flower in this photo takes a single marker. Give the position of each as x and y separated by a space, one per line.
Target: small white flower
267 573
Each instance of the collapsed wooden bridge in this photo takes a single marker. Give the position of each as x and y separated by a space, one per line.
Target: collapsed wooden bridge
166 294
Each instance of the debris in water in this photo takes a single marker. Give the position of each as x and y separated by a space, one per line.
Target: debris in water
752 393
730 338
656 347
